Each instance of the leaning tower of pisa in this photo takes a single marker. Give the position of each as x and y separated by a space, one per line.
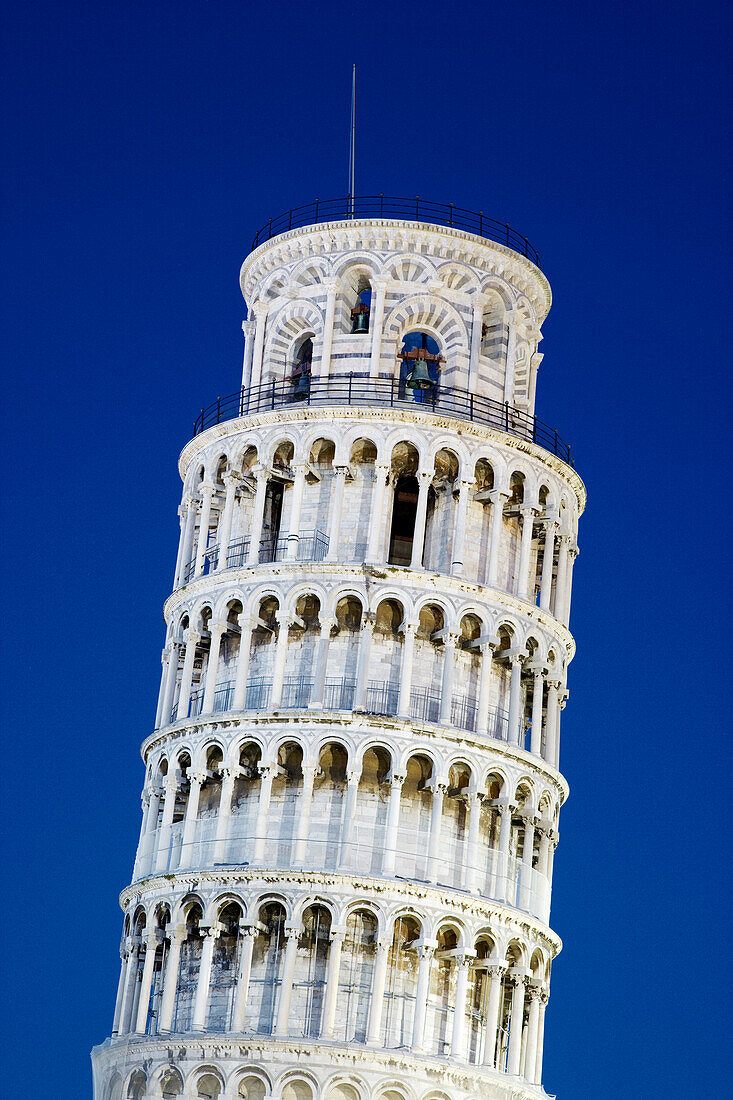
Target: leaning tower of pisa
352 786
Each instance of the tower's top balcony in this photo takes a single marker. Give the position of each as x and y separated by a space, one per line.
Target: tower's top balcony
371 207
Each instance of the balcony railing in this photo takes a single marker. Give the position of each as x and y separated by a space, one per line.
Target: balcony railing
504 878
381 700
311 546
362 390
396 209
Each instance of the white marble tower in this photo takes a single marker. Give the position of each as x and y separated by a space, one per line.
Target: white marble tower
352 789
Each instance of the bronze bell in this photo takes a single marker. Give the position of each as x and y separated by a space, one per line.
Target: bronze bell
302 385
360 323
419 377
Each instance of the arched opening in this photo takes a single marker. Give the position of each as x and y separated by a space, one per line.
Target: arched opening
208 1087
405 463
420 367
309 982
476 1002
382 695
171 1085
251 1088
358 499
343 654
137 1085
442 995
373 795
415 811
401 984
297 1090
513 959
355 976
266 972
440 517
224 967
284 801
302 364
188 969
264 635
245 801
325 834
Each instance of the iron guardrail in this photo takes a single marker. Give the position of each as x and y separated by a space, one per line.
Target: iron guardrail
392 208
363 390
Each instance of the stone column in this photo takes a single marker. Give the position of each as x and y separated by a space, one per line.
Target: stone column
527 856
533 1024
170 786
376 518
165 661
376 322
505 836
120 989
510 358
424 479
426 952
494 972
547 562
436 821
284 621
473 846
376 1006
458 1033
572 555
304 812
321 665
553 687
231 480
201 1000
216 630
286 985
476 331
184 696
260 311
143 1004
544 997
327 342
515 698
170 981
538 691
246 626
224 817
563 552
362 671
207 492
348 855
332 983
484 690
128 998
170 684
459 537
446 694
151 825
295 510
393 821
248 933
267 773
187 515
258 513
497 523
525 552
248 328
516 1022
337 505
408 656
196 781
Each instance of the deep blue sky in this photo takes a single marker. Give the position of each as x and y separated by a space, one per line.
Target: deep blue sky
143 145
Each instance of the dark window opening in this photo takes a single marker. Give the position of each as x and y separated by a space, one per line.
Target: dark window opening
404 511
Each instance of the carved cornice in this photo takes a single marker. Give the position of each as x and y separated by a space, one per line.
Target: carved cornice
389 237
292 1053
367 888
466 428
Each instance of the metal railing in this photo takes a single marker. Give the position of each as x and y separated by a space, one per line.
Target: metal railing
381 700
311 546
397 209
495 875
363 390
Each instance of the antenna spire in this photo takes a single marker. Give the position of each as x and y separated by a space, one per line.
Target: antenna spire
352 144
